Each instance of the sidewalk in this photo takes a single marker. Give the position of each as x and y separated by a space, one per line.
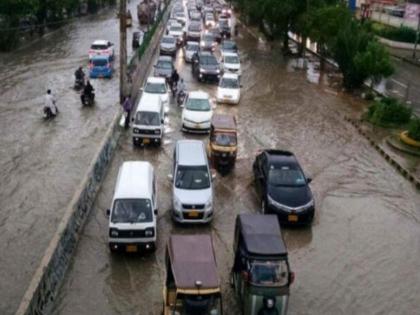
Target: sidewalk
393 20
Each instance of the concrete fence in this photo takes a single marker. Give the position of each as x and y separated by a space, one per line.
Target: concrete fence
47 280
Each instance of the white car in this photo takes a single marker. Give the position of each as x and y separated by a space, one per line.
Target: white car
177 31
189 50
197 112
157 85
230 63
101 48
229 89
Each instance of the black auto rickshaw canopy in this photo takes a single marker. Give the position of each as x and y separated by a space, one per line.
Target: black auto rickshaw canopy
259 235
193 262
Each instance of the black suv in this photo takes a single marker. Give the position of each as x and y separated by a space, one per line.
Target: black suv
283 187
205 66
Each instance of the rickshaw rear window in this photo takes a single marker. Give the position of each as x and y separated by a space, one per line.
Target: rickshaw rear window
99 47
99 62
269 273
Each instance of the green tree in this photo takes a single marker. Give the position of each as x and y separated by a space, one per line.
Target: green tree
374 63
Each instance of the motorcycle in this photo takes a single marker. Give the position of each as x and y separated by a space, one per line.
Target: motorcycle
49 113
181 97
87 100
79 84
173 89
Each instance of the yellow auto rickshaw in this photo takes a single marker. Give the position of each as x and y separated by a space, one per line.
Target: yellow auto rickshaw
192 285
222 146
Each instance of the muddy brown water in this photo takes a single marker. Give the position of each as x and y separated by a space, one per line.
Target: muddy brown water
360 256
41 162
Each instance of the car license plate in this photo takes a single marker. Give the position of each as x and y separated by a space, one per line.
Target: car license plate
131 248
193 214
146 141
292 218
228 96
197 125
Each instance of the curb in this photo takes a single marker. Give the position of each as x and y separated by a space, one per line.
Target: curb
403 171
45 284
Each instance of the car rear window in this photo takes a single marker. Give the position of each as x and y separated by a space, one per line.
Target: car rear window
99 47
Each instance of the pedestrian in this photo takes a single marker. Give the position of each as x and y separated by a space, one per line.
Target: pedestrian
128 106
50 107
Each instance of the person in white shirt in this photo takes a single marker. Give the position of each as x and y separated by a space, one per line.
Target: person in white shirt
50 108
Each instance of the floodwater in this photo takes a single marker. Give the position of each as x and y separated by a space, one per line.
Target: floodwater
362 253
43 162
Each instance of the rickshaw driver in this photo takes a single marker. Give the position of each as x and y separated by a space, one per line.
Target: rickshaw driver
268 307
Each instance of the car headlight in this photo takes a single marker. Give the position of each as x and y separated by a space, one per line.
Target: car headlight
218 71
135 130
149 232
113 233
274 203
157 131
309 204
202 70
209 204
177 204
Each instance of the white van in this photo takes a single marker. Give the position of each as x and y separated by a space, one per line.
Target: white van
149 118
192 189
133 213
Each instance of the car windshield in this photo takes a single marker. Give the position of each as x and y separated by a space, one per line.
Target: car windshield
194 28
198 104
99 47
192 177
132 211
229 46
223 23
164 64
99 62
208 38
198 304
231 59
228 83
169 40
192 47
176 29
224 139
147 119
155 88
285 175
208 60
268 273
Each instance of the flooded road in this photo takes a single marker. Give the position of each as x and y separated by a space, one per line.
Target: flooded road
360 256
43 162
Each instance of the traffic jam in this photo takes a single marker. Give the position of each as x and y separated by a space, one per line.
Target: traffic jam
202 36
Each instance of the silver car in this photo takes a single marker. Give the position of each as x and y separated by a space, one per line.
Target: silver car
191 183
168 45
189 50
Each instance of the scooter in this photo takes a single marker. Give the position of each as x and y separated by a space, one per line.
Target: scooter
87 100
180 97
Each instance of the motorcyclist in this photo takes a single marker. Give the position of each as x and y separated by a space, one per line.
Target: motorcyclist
88 92
174 79
269 307
80 76
50 108
180 90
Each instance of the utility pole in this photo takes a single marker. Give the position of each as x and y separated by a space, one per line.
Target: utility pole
417 36
123 49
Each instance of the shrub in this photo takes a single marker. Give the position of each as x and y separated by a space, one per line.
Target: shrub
414 129
401 34
388 111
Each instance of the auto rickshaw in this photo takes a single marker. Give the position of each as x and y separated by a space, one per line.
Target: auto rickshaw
261 275
222 146
192 286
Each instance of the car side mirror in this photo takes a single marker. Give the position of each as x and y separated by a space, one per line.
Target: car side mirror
170 177
156 212
291 277
213 175
108 212
309 180
241 86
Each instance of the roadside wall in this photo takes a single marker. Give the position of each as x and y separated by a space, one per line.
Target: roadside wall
47 280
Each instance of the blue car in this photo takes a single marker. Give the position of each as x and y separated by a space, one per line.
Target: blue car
100 67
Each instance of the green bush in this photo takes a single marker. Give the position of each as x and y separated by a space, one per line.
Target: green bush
388 111
401 34
414 129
